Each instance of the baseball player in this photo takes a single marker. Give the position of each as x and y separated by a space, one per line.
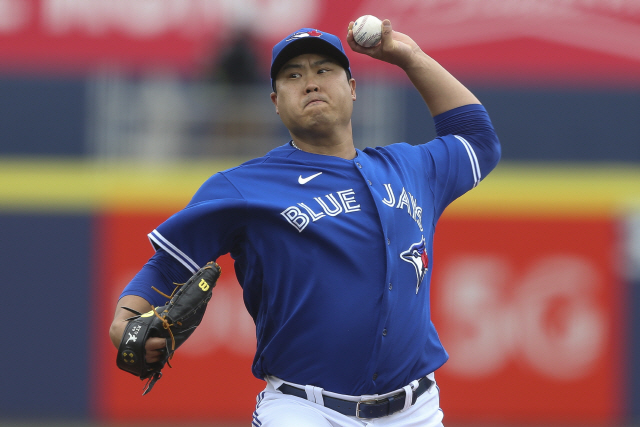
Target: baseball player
333 245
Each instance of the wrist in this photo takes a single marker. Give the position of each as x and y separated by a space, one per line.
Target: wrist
417 61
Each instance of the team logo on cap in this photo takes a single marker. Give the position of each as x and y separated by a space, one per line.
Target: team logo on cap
417 256
302 34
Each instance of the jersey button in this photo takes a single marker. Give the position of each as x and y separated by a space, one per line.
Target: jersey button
369 181
375 376
359 165
390 286
388 241
384 332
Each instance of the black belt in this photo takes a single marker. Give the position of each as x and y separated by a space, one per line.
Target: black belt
374 408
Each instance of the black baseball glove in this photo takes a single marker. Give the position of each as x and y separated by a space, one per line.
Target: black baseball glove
175 322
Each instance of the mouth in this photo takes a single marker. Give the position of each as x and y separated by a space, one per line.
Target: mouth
314 102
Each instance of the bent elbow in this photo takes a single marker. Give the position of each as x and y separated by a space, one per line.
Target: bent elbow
489 152
495 149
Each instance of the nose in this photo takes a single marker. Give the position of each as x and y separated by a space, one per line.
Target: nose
311 85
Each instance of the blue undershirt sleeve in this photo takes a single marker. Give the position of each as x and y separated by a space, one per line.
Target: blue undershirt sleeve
472 122
161 271
466 120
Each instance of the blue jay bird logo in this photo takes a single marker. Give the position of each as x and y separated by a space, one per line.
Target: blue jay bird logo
417 256
301 34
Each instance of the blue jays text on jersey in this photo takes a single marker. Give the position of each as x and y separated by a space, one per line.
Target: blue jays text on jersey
300 220
334 256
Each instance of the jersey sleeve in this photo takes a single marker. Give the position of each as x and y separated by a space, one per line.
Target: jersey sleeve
162 271
464 152
209 226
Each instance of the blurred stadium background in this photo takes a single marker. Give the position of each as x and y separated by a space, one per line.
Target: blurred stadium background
113 112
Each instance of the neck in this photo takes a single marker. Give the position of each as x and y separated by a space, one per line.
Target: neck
327 145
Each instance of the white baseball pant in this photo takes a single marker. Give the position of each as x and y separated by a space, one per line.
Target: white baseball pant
275 409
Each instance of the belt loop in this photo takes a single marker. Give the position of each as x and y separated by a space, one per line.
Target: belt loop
317 392
314 394
409 400
310 395
408 396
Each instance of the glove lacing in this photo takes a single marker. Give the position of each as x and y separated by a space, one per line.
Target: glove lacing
163 319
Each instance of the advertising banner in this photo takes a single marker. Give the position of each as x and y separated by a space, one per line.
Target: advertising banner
528 309
499 41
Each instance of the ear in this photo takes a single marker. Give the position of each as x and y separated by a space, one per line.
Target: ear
274 99
352 83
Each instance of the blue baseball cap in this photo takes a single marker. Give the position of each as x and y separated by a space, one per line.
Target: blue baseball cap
307 40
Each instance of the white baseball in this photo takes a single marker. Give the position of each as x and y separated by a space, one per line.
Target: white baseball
367 30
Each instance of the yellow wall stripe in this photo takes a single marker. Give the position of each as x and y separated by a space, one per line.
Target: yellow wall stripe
513 188
554 189
75 185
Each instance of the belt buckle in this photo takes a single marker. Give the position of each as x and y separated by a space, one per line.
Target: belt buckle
366 402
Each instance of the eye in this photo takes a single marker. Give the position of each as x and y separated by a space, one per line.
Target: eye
322 70
294 75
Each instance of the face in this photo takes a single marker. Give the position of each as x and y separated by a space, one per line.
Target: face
313 94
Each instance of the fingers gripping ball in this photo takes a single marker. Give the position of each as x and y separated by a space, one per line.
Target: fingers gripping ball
367 30
175 322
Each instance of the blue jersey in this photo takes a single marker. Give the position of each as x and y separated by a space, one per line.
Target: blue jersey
335 256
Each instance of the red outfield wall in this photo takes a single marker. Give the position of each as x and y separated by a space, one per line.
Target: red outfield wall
529 310
501 41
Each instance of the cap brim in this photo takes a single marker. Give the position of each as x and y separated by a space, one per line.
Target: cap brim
308 45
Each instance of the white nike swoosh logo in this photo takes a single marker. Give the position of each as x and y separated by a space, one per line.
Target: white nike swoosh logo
303 181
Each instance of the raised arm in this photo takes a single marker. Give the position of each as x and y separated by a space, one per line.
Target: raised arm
439 89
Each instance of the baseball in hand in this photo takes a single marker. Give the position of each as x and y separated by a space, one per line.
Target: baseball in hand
367 30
